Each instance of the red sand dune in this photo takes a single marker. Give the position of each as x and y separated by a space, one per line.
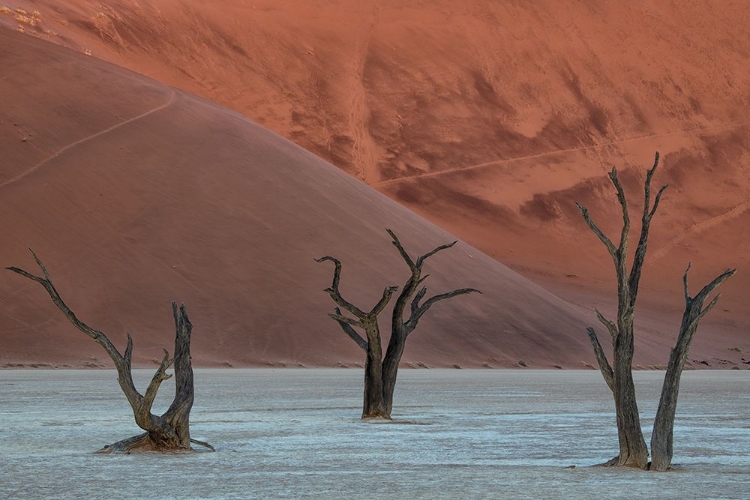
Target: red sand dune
488 118
135 194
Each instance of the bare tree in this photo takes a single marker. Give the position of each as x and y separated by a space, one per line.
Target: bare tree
619 375
168 432
381 372
661 437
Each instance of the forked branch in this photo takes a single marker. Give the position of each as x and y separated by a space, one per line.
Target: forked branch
153 387
345 325
169 431
417 310
648 214
387 294
694 305
416 265
334 292
363 318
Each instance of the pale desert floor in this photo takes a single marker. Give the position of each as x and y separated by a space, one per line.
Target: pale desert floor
295 433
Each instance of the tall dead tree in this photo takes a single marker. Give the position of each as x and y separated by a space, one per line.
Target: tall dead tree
619 375
168 432
381 372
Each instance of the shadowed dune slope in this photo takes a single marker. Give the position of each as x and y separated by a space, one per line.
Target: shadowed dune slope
135 194
488 118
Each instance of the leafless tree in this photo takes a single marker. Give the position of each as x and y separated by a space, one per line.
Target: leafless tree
619 375
381 372
661 437
167 432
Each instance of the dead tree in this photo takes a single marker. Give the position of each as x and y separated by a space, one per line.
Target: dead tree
381 372
619 375
661 437
168 432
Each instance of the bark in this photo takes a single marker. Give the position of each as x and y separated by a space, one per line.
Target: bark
381 371
374 403
662 435
619 375
633 451
168 432
412 294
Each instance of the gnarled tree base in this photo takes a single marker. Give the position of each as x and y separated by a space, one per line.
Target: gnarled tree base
169 432
651 466
376 417
145 443
618 462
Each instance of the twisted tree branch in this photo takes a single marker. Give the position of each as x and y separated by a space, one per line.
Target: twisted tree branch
334 292
343 322
411 323
167 432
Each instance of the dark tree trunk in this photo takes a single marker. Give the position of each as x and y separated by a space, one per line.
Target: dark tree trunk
663 432
662 435
619 377
171 431
381 372
374 405
178 414
392 359
168 432
633 449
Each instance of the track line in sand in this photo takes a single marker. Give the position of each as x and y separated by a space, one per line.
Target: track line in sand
560 151
701 226
88 138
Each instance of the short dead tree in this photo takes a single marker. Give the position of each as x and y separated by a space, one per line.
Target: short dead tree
619 375
381 372
168 432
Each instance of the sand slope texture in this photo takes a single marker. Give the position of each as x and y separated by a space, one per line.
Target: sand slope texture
488 118
135 194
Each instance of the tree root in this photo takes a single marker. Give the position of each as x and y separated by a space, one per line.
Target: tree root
609 463
616 462
137 443
202 443
143 443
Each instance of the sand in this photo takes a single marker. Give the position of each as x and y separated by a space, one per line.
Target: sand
296 433
488 119
162 196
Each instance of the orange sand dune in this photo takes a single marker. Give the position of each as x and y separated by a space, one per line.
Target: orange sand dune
488 118
135 194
